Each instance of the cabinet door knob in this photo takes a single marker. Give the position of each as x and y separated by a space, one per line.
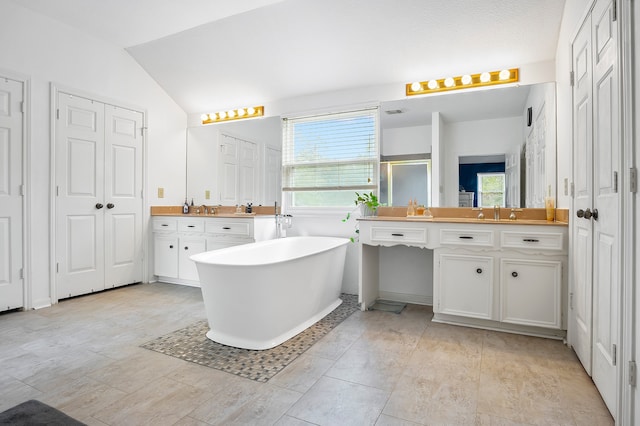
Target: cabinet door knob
595 214
171 246
186 248
580 213
587 214
479 270
514 274
110 205
99 206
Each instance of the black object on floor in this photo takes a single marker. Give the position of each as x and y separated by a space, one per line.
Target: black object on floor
35 413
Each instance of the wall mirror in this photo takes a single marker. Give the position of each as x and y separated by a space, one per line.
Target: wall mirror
510 125
510 130
234 163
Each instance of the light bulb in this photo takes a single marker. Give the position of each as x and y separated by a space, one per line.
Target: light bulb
242 112
485 77
251 110
432 84
448 82
416 86
231 113
466 79
222 115
505 74
204 117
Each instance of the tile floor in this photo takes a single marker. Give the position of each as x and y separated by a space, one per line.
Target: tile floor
83 356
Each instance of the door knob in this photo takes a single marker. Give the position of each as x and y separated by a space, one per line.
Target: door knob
595 214
110 205
99 206
514 274
580 213
587 214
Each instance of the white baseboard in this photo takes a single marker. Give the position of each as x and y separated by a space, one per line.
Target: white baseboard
416 299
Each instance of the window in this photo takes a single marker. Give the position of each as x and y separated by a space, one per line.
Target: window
491 188
327 158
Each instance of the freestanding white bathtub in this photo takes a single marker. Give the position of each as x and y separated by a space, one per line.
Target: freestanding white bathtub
259 295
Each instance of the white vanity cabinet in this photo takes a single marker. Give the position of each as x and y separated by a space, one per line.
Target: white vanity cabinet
177 238
174 241
494 275
466 285
531 292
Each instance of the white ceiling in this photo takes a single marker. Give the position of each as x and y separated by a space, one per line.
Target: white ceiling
219 54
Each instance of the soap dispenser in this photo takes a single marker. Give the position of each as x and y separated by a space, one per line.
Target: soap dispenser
185 207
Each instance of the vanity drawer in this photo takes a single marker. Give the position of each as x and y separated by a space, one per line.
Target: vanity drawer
532 240
470 237
164 224
224 227
191 225
399 234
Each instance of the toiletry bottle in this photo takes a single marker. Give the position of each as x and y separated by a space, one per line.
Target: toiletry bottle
410 208
549 205
185 207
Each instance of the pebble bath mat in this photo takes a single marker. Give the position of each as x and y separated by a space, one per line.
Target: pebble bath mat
191 344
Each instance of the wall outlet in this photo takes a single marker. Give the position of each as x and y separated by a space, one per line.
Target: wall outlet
207 195
160 192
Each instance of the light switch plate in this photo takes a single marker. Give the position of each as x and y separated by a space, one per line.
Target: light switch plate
160 192
207 195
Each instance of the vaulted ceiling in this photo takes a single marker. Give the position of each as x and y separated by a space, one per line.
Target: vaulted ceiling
219 54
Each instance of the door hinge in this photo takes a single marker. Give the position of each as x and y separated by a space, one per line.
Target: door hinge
22 190
632 373
615 181
142 130
572 189
571 78
21 273
633 180
571 301
614 355
57 267
614 12
58 114
22 107
57 191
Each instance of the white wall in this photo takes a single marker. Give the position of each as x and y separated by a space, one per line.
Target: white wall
480 137
47 51
406 140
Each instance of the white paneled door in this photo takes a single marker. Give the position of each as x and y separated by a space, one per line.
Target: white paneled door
238 171
595 289
11 148
98 196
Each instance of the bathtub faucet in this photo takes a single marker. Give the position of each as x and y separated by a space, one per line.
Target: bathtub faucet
282 221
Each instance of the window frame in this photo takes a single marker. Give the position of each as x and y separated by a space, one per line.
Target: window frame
479 177
372 186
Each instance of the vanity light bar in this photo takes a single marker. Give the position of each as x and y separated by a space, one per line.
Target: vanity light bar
234 114
463 82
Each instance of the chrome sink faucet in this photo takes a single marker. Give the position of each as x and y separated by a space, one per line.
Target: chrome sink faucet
496 212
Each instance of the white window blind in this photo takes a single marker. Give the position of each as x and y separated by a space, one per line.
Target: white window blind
326 158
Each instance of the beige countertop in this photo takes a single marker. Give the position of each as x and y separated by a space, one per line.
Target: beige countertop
468 215
221 211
